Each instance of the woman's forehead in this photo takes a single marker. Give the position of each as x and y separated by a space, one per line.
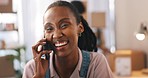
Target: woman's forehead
58 12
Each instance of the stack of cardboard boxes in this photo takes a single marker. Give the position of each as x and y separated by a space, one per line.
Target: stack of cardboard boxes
123 62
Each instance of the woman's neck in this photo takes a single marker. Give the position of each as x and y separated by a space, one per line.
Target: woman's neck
66 65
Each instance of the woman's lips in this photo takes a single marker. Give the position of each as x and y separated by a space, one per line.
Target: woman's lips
60 44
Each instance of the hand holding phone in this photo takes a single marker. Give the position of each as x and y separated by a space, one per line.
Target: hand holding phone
48 46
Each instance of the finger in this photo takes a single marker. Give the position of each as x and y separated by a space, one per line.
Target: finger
41 65
35 47
41 68
39 56
44 55
39 49
40 42
46 52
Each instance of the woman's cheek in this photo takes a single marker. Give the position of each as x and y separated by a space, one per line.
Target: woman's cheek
48 36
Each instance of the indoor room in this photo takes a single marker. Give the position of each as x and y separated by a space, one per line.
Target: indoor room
119 26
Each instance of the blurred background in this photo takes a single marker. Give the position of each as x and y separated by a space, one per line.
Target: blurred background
119 25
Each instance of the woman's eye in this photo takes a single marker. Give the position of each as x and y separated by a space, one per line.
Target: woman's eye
65 25
49 28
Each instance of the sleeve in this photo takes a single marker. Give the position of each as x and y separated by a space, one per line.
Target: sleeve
29 69
102 69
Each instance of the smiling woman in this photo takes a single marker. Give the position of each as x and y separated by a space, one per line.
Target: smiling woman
62 26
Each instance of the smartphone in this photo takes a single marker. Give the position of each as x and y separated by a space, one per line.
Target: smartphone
47 46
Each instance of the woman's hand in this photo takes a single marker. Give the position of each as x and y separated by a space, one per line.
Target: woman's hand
41 64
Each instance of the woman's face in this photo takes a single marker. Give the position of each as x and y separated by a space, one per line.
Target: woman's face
62 30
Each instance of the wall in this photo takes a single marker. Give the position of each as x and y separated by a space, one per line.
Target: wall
108 31
32 11
129 15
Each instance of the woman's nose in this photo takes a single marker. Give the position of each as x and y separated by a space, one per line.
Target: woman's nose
57 33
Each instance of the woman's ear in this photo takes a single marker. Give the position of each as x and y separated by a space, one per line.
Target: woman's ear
80 28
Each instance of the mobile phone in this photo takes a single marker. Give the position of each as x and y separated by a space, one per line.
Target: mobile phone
47 46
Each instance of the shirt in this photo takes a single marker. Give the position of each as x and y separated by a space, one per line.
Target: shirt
98 67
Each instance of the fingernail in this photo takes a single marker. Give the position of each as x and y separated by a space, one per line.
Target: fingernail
44 42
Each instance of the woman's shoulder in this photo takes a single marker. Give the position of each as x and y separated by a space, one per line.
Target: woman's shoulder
29 69
96 57
99 67
30 64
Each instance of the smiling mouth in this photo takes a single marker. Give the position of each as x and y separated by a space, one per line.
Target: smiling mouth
60 43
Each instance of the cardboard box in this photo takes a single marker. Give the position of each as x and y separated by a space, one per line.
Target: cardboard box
98 20
6 6
111 61
123 64
6 67
138 59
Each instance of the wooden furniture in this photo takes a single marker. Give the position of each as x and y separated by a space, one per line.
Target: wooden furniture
138 59
134 74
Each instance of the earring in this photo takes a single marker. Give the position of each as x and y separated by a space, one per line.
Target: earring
80 34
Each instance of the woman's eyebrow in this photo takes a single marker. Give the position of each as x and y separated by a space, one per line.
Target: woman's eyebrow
63 19
47 24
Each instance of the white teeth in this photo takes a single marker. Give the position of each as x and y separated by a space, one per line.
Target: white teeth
58 44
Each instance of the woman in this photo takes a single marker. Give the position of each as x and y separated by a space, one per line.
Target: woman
63 27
